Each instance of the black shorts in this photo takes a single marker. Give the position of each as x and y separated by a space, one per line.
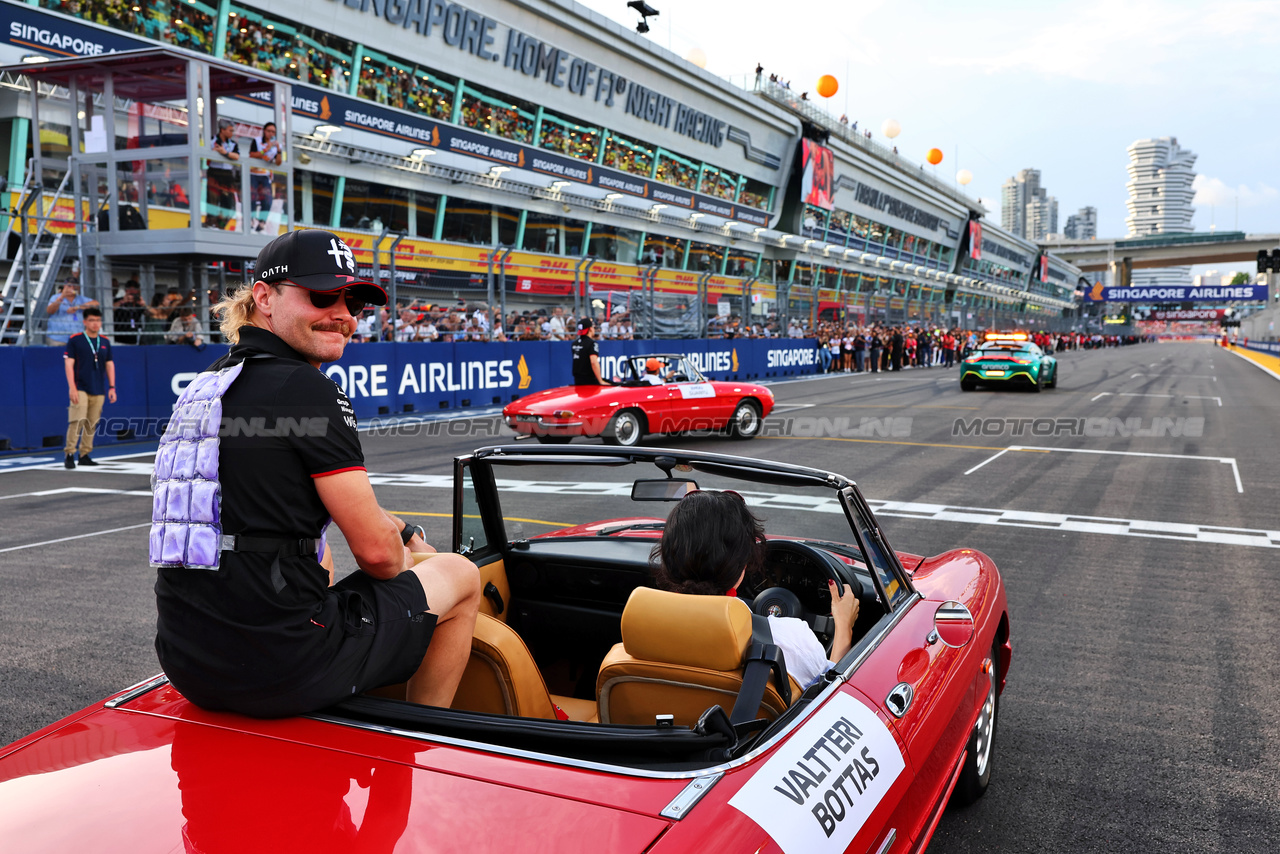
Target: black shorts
387 633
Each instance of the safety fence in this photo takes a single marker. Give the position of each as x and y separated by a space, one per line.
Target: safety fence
383 380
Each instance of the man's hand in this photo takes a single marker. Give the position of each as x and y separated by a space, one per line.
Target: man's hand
75 397
111 396
844 611
374 539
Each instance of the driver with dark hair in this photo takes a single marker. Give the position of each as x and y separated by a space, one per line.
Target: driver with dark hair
711 542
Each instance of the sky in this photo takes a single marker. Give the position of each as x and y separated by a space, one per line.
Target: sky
1063 87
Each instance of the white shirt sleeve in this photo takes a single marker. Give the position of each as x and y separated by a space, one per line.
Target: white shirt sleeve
806 659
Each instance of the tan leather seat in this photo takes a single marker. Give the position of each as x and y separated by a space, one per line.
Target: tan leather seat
502 679
679 655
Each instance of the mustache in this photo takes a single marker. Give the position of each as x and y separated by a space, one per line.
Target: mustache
345 328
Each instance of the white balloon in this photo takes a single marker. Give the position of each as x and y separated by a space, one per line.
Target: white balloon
964 176
891 128
697 56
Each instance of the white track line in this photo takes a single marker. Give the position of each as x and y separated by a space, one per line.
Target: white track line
1065 522
76 537
1231 461
81 489
988 459
1145 394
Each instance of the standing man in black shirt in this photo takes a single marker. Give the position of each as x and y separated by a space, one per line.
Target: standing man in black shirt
586 357
222 176
249 617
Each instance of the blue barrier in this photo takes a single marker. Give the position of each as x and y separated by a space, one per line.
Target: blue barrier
1270 347
13 389
382 379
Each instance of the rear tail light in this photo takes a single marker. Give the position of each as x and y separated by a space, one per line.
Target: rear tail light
563 413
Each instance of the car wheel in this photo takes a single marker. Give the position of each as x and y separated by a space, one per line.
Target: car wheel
975 776
625 428
967 385
555 440
1053 383
745 423
1038 385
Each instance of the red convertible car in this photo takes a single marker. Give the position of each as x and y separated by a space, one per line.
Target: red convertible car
659 393
597 713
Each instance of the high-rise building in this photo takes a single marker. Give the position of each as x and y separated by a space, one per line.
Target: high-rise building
1026 208
1160 176
1082 225
1041 217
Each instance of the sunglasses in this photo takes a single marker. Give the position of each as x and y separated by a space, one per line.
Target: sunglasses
327 299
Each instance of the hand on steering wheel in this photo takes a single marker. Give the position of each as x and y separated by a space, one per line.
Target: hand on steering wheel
780 602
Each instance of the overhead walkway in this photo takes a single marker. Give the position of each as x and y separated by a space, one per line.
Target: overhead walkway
1162 250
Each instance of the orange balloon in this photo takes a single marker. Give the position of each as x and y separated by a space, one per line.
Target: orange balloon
934 156
827 85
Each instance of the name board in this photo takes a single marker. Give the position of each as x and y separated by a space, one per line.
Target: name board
529 56
893 206
345 111
1179 293
1005 252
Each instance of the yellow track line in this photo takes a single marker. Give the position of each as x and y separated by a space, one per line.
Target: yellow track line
469 516
883 442
884 406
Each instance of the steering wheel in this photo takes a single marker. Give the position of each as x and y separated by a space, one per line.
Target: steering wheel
781 602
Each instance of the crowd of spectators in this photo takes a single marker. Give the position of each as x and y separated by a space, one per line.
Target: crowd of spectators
420 321
163 20
579 142
304 58
506 122
855 348
408 90
627 157
671 171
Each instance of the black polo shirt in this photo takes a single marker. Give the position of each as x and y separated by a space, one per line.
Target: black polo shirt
584 347
244 629
90 357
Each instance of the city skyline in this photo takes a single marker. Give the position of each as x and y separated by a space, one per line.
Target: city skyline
998 85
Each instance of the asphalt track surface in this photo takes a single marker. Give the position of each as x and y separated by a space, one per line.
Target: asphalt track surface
1143 707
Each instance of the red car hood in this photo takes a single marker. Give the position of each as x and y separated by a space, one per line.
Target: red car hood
565 397
161 775
580 397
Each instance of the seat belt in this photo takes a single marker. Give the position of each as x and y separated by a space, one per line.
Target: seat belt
764 657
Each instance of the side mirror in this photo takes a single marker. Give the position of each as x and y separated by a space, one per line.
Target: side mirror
953 623
662 489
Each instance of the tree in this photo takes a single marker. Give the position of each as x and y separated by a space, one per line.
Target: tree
1240 279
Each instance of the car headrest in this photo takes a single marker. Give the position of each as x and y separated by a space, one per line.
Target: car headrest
711 632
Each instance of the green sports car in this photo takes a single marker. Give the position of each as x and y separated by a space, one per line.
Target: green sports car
1009 360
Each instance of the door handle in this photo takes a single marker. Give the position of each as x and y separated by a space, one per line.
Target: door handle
899 699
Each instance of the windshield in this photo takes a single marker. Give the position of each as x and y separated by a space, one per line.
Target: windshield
540 500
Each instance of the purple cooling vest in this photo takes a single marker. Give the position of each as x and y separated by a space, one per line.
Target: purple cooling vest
186 509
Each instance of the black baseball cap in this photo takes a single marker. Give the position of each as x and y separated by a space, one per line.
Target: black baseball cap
317 260
585 323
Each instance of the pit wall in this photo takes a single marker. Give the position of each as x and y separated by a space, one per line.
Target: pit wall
382 380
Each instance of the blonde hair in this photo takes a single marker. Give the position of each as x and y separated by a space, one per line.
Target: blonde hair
235 309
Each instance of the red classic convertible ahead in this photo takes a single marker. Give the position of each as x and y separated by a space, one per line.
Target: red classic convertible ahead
659 393
597 713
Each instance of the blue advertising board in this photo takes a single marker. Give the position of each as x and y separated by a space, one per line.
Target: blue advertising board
381 379
1178 293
